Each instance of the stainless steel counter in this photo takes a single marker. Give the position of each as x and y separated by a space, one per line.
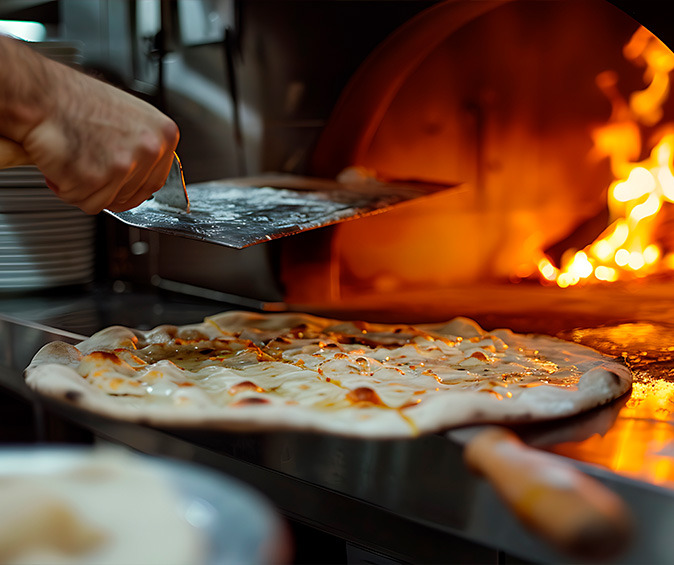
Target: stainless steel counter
412 500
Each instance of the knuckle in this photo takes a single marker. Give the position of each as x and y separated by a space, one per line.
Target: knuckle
122 198
127 204
149 146
70 194
121 164
91 178
170 131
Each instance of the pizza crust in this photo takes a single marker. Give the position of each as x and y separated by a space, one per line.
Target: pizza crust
288 392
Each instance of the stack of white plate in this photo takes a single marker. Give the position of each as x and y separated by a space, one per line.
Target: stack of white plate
44 242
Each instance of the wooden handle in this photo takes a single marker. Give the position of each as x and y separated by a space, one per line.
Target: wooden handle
12 154
573 512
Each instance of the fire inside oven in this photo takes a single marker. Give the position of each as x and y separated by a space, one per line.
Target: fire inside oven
554 120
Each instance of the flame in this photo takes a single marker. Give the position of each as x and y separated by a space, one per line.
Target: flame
628 247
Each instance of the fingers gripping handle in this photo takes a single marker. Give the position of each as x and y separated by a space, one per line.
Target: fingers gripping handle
570 510
12 154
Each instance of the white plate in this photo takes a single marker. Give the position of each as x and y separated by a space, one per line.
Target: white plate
38 266
45 227
47 271
33 218
46 243
48 255
30 277
8 176
220 519
75 245
27 182
26 193
46 259
53 215
81 272
14 206
38 283
49 239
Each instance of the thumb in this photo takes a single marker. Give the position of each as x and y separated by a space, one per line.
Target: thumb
12 154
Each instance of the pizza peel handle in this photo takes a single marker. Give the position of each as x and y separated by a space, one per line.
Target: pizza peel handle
12 154
573 512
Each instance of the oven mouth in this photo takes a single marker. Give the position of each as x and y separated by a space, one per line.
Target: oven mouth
548 115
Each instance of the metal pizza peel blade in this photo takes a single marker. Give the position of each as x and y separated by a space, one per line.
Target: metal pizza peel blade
246 211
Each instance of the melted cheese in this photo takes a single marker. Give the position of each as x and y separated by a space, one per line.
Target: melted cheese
343 365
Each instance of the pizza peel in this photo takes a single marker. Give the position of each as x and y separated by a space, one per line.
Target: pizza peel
242 212
567 508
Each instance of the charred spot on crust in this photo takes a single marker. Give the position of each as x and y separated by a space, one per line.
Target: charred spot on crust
411 404
253 400
105 356
364 394
281 339
617 380
244 386
73 395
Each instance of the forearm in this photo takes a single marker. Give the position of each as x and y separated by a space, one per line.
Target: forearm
25 84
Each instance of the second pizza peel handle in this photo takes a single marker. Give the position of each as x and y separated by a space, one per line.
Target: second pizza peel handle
570 510
12 154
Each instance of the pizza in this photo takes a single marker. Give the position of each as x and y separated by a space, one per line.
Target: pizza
252 372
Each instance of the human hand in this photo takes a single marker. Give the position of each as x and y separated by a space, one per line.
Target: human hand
98 146
102 148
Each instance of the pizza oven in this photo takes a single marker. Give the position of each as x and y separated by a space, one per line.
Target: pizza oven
550 123
536 111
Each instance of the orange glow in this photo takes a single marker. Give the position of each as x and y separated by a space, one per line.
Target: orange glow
633 445
637 437
629 248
